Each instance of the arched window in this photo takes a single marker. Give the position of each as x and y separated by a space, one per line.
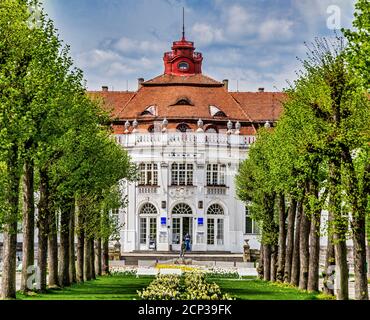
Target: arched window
182 209
183 66
183 127
184 101
150 111
148 209
215 209
211 129
216 112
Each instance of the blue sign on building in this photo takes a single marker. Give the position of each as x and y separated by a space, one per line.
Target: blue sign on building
200 221
163 221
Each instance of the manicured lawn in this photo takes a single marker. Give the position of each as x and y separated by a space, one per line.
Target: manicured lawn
261 290
104 288
125 288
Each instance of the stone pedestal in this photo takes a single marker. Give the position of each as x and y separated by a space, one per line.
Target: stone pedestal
247 251
117 251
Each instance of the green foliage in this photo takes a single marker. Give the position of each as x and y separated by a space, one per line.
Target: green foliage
358 51
47 118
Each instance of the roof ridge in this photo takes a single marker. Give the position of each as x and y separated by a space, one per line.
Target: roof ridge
240 107
128 101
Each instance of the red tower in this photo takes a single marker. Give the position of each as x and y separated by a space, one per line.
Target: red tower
183 60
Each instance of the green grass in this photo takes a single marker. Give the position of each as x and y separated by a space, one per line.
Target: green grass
125 288
262 290
104 288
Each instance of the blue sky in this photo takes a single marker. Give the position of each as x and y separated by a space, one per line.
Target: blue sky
253 43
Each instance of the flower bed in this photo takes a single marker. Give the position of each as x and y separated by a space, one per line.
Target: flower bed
190 286
219 273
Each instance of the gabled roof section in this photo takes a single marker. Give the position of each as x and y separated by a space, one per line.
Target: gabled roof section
164 97
113 101
261 106
193 80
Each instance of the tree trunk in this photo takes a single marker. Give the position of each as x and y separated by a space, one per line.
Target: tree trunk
267 262
359 255
282 239
87 260
261 263
314 260
92 259
296 252
72 256
64 244
53 280
80 247
43 230
10 229
342 267
329 260
274 262
368 259
304 251
290 241
340 229
106 257
28 248
98 258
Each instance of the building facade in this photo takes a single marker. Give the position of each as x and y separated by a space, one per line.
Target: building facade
187 134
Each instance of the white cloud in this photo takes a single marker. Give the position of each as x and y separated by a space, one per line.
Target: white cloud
239 21
128 45
275 29
204 34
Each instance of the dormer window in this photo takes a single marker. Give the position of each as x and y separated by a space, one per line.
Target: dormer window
183 102
149 111
216 112
183 66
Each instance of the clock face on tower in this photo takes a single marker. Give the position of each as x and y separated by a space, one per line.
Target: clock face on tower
183 66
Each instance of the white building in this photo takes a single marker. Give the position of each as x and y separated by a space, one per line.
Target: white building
187 134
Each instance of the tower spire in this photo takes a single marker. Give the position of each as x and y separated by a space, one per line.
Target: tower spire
183 23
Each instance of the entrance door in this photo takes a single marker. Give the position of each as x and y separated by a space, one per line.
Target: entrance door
148 233
180 227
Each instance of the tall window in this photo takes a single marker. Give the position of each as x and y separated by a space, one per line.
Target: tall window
251 226
215 225
148 174
182 174
216 174
148 223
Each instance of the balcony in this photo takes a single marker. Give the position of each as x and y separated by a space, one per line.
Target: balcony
148 189
183 139
216 190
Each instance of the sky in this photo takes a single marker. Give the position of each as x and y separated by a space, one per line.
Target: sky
253 43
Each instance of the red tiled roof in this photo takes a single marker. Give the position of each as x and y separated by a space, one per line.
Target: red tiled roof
113 101
165 91
197 79
261 106
165 99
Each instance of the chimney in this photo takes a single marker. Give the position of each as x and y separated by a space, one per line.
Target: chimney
226 84
140 82
104 88
261 89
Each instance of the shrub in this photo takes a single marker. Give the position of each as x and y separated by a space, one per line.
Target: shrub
190 286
